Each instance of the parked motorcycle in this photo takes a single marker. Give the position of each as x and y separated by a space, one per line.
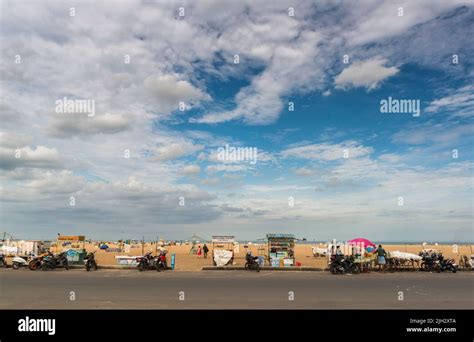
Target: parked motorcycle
429 262
251 262
350 266
89 261
336 266
146 262
341 264
446 264
35 263
52 261
3 261
18 262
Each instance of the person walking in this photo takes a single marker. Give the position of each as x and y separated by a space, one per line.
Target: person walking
205 250
381 257
199 252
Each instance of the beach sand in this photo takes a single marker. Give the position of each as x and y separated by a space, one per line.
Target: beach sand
303 253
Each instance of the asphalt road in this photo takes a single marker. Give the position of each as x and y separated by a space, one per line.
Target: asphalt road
111 289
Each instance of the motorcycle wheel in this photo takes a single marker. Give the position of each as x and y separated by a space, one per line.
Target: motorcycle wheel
257 268
45 267
453 269
141 267
33 265
66 265
246 266
16 265
159 268
88 267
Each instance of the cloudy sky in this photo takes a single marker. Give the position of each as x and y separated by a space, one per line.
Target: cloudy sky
306 92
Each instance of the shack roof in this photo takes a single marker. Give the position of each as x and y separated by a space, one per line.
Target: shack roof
280 236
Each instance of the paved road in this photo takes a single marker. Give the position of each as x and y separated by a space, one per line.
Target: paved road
233 289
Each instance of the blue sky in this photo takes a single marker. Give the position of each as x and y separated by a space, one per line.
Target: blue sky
174 184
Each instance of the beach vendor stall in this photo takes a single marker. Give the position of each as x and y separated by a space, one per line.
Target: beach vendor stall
223 250
281 249
75 247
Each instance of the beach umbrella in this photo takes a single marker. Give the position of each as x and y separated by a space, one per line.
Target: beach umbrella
367 243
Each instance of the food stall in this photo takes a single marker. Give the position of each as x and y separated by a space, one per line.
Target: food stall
223 250
281 250
75 247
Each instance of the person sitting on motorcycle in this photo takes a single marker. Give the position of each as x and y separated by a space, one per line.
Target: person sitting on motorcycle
248 257
339 254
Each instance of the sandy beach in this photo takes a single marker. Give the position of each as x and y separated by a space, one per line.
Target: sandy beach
303 254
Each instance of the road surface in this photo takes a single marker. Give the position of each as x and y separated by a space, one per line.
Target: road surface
130 289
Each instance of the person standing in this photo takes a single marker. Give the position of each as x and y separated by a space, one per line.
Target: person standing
381 257
205 250
199 252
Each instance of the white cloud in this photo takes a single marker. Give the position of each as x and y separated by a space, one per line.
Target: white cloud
73 124
39 157
168 91
460 103
327 152
369 74
377 20
440 134
174 60
191 169
304 172
226 168
176 150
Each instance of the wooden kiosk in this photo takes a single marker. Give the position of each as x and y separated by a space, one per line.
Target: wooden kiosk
281 250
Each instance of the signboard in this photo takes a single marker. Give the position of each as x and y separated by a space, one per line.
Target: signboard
73 256
72 237
124 260
223 239
173 260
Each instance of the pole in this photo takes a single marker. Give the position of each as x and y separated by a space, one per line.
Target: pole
143 245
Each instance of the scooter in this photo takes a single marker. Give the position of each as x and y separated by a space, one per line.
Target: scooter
251 262
18 262
89 261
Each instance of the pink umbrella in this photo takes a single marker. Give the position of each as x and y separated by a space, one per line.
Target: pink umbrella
361 241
